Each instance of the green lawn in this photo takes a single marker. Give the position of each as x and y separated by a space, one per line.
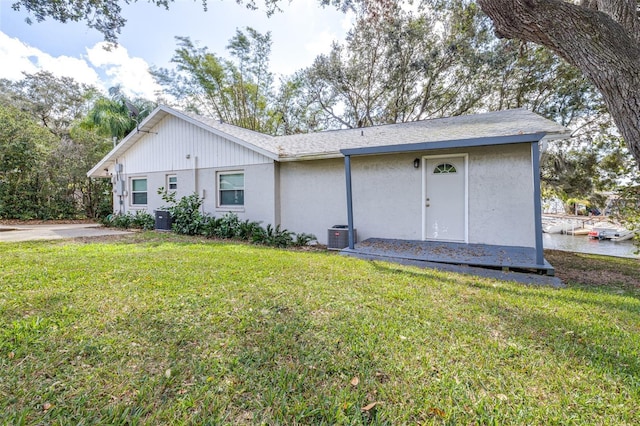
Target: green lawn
154 329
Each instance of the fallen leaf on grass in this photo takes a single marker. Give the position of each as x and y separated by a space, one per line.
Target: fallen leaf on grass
355 381
370 407
434 411
46 406
167 373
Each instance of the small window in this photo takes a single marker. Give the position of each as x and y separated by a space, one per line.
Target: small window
231 189
172 182
139 191
444 168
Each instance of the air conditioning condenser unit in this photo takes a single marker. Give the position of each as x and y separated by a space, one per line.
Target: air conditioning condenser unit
338 237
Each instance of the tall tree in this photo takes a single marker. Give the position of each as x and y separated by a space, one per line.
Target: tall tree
55 175
24 146
237 90
524 75
599 37
397 66
296 112
55 102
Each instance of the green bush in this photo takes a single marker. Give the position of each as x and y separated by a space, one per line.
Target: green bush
143 220
246 230
303 239
138 220
209 226
230 226
116 220
275 237
188 220
186 215
227 226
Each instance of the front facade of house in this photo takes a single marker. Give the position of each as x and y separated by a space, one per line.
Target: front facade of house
467 179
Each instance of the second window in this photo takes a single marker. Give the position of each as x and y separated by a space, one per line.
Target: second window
231 189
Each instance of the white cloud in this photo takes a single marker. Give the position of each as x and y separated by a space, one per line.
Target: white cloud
322 41
18 57
121 69
15 58
67 66
302 32
115 66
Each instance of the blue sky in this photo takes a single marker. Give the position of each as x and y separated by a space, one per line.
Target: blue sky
301 32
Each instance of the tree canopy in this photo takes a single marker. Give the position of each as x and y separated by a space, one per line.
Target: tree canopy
44 153
238 90
394 66
403 67
599 37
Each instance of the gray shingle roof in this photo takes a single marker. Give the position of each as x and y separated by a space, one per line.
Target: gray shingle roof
492 124
328 144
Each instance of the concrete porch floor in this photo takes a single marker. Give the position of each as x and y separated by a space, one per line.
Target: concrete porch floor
502 262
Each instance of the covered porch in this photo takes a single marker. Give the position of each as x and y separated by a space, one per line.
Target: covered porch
495 257
463 253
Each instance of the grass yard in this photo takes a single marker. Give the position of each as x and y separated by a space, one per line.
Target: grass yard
155 329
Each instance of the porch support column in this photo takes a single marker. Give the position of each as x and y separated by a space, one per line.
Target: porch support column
537 202
347 172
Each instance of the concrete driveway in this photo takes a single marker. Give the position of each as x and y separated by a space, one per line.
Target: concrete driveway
28 232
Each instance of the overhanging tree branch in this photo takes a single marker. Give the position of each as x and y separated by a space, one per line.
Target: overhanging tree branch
606 51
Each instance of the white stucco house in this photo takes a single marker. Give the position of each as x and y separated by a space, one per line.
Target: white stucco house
471 179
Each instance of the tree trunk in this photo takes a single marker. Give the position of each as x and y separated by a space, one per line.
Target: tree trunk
605 47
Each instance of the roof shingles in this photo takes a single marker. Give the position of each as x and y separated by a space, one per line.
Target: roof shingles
492 124
329 143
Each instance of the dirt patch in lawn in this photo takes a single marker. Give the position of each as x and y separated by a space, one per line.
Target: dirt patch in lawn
594 270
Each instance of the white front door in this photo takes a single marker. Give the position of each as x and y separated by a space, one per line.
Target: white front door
445 198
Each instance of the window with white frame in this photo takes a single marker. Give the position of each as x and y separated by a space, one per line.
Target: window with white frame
172 182
139 191
230 189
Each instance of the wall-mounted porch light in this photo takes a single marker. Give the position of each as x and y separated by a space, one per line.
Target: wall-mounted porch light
416 163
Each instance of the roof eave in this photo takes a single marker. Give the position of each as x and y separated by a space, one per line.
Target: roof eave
129 140
310 157
447 144
157 115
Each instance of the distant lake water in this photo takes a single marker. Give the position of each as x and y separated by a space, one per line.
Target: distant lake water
583 244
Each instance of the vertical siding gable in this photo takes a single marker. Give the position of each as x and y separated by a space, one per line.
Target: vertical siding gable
173 139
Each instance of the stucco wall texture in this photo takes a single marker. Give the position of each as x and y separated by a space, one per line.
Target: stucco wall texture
387 196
